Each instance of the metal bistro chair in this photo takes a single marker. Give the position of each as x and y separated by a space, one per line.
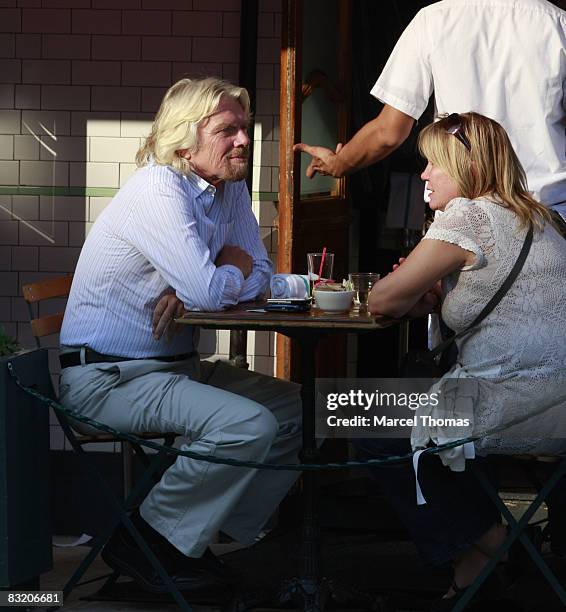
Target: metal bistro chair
542 481
51 324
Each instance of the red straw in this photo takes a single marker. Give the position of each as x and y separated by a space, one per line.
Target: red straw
321 264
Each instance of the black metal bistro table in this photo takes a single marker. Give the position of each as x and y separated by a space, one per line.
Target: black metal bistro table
307 328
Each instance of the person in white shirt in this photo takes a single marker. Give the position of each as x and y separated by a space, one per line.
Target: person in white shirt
181 231
505 59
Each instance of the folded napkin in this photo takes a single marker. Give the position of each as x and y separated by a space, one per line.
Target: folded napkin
284 286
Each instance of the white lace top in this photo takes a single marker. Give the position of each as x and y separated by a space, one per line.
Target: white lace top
515 360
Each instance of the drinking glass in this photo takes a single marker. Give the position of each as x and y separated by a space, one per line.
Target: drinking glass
313 266
362 282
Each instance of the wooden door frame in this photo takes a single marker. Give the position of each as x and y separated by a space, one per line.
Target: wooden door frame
291 89
289 162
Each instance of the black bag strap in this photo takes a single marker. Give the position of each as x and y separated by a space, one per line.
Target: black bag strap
505 286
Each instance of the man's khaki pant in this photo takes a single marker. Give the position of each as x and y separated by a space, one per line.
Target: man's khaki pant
232 413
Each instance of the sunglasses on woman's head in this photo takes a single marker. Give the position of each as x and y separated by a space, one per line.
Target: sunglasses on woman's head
453 125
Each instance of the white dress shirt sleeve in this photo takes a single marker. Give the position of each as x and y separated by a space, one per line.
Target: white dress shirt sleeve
406 81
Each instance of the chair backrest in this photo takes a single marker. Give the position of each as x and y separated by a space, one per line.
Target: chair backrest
44 290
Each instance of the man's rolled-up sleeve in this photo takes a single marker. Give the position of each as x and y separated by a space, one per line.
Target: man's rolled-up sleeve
227 282
163 228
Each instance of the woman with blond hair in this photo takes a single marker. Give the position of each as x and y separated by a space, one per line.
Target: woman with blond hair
513 362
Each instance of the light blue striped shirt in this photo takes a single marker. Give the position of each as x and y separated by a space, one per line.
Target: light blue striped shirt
161 234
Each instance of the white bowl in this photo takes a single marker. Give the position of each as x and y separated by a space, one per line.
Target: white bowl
333 301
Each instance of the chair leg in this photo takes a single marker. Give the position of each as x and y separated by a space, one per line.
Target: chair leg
127 467
140 454
110 581
138 451
517 528
147 551
85 564
139 491
151 557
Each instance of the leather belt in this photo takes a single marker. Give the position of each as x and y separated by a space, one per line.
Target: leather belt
68 360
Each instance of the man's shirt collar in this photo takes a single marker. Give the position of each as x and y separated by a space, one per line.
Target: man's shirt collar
200 185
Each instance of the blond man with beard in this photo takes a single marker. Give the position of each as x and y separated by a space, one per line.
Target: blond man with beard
181 233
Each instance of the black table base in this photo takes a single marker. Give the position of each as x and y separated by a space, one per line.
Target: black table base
309 588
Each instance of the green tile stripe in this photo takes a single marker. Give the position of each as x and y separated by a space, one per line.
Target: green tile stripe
265 196
104 192
99 192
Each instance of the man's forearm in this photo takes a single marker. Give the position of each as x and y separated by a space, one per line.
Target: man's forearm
365 148
375 140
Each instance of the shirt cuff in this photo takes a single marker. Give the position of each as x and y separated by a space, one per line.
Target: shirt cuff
233 284
411 109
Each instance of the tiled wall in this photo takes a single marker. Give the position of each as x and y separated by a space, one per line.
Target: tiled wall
79 83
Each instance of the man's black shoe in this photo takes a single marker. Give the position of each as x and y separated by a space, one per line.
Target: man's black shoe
123 555
173 557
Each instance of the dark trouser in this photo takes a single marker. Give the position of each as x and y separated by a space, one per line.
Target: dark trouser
457 513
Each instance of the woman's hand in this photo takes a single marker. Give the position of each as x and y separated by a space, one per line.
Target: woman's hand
428 303
166 310
404 291
401 261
